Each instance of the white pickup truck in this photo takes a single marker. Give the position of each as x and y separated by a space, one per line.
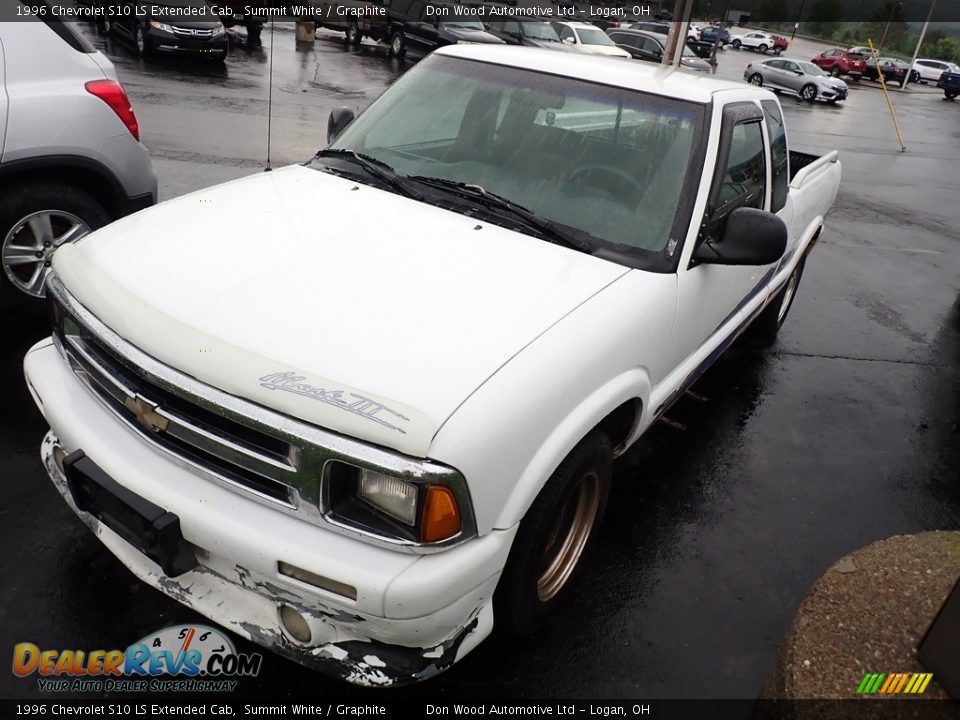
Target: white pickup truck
361 409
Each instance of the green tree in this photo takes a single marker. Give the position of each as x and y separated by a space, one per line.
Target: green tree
823 16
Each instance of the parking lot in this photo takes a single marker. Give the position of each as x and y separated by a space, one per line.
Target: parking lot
843 432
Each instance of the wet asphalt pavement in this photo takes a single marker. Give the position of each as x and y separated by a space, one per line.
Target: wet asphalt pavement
843 432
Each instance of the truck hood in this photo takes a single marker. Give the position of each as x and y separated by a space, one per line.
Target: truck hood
343 305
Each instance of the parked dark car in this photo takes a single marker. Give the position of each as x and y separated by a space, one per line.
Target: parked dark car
643 45
161 30
426 26
839 62
528 32
892 70
950 82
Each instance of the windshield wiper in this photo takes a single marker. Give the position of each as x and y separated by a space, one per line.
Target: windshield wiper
375 167
546 228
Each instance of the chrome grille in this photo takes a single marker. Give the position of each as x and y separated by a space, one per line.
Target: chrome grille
192 32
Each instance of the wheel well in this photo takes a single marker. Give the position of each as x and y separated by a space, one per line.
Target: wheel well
92 182
620 423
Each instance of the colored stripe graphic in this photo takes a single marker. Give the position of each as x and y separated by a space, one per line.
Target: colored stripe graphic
894 683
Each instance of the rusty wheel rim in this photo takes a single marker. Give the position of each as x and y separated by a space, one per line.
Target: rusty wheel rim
569 535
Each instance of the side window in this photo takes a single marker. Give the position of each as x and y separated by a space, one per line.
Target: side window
745 179
779 155
566 32
775 64
512 27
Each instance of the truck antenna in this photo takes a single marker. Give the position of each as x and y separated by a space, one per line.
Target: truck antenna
268 168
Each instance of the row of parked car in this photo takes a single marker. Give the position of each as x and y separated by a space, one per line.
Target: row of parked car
857 62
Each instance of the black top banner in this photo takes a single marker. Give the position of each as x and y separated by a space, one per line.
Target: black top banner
820 16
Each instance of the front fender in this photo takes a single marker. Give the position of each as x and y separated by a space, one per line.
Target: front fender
511 434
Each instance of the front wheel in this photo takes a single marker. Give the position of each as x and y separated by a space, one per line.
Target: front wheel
768 323
554 537
835 72
809 93
951 94
756 79
777 51
763 49
398 44
736 44
140 40
354 36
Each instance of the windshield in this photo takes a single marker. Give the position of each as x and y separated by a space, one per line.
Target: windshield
611 163
540 31
593 36
811 69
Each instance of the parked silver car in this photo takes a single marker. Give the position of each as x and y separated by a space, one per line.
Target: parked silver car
71 159
798 77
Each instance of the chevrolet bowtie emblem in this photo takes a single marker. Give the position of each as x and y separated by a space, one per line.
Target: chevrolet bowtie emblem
146 413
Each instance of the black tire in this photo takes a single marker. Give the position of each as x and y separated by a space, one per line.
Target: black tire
765 328
398 44
140 40
809 92
763 49
835 72
529 590
756 79
735 44
17 204
353 35
950 94
777 51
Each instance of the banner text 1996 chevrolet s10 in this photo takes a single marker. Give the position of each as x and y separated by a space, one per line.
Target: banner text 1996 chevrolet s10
361 409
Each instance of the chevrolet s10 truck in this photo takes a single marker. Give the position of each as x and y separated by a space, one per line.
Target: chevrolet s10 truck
364 445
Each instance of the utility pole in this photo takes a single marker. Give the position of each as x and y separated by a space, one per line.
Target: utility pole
677 37
916 52
797 23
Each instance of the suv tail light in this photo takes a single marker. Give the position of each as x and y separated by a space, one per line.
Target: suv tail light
113 94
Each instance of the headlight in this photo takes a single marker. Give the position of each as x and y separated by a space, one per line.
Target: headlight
396 497
417 510
219 30
161 26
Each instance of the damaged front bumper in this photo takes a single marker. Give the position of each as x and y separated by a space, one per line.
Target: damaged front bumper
406 617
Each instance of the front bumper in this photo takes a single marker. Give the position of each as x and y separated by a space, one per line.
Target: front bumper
174 44
413 615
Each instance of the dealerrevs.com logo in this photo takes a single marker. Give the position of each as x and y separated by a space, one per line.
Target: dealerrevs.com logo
183 658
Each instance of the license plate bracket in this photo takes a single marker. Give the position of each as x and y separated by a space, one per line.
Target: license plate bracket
152 530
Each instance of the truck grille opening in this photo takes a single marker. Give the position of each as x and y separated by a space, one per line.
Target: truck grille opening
238 453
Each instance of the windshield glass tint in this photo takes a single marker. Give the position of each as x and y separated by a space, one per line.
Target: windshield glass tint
593 36
607 161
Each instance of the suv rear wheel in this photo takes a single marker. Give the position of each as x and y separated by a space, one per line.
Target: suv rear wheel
34 221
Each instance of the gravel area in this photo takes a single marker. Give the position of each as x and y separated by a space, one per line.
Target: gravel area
866 615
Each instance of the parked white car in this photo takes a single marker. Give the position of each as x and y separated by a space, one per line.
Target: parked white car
931 70
587 38
363 449
759 41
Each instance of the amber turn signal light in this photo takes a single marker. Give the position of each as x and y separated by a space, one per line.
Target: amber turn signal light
441 516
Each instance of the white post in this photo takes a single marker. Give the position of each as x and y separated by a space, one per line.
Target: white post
916 52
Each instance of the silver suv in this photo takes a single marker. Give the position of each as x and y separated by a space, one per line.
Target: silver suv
71 159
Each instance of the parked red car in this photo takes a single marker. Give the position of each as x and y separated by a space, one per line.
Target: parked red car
839 62
780 44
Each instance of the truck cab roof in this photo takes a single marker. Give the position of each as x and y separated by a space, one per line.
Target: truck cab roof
644 77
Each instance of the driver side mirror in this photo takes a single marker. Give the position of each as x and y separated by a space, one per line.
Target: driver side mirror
570 40
339 119
751 237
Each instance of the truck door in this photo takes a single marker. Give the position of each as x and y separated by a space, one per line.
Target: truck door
712 298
